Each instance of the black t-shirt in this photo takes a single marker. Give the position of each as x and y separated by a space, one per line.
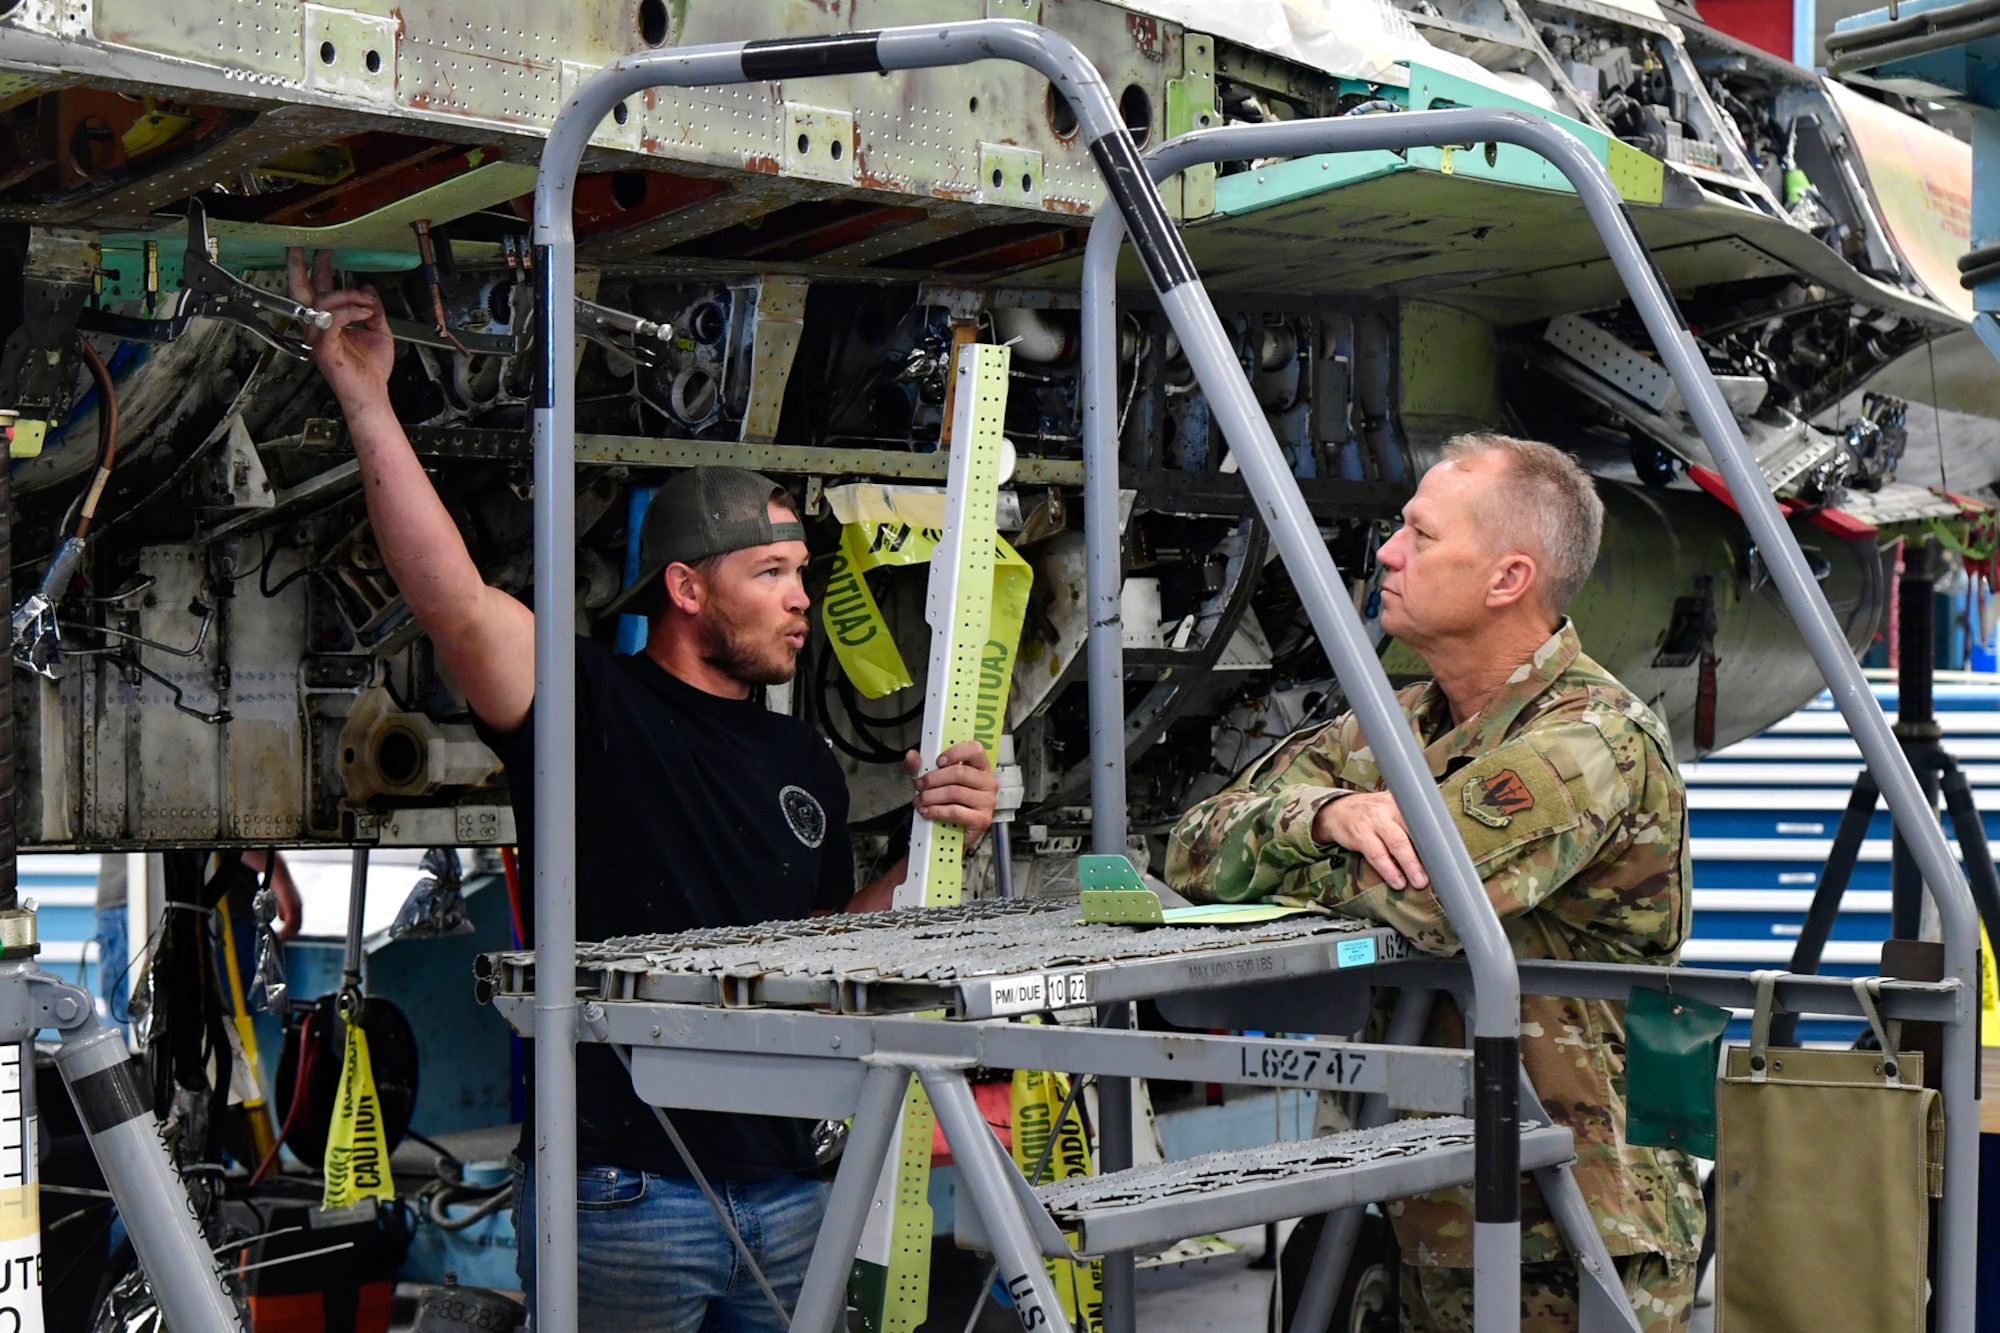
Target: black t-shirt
691 810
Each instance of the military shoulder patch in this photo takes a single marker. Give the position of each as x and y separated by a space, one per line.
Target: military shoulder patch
1494 800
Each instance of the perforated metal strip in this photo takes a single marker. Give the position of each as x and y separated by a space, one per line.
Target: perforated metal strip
960 606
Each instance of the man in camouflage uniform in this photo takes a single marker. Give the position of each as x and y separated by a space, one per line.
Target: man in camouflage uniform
1563 786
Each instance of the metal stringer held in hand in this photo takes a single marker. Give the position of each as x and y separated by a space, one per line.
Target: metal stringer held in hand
893 1261
959 608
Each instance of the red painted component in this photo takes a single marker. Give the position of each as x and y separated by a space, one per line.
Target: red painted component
1845 526
1765 24
995 1102
615 200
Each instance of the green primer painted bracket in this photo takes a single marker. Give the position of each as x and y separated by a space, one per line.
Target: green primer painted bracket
959 606
1300 178
1191 106
1113 893
1640 179
377 242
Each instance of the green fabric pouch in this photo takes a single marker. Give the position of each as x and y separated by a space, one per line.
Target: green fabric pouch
1672 1047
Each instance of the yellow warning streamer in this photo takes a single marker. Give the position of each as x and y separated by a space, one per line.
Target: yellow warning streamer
357 1149
1989 994
1036 1100
861 638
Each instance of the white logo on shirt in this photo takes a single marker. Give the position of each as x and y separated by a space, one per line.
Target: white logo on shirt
803 813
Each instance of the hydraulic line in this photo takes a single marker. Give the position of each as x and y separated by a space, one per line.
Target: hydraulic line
107 436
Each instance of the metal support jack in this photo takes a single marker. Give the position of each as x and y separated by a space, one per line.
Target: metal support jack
1937 773
189 1286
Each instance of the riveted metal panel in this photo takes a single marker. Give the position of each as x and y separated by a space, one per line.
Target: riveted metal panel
260 38
1447 363
178 757
819 143
59 18
1009 175
915 133
479 61
624 127
350 54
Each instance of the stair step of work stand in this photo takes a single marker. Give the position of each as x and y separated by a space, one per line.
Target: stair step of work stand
1150 1206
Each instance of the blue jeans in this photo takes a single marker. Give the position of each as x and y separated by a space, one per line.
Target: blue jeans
653 1258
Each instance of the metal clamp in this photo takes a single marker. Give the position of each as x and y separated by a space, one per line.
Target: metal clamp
219 294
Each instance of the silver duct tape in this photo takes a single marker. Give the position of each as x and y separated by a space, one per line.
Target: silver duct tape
17 930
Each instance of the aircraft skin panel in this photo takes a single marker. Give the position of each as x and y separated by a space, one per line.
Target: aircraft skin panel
448 69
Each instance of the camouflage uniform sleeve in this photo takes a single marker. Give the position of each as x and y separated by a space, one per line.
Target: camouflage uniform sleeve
1254 838
1532 812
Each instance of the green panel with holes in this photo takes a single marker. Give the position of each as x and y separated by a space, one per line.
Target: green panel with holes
1191 106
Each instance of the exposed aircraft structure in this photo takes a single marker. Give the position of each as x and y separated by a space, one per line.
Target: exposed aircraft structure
780 274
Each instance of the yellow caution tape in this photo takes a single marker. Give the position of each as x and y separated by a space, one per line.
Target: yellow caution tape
1036 1099
262 1135
860 636
1989 994
20 1211
357 1149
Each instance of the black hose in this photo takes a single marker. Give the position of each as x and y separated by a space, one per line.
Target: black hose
867 749
1908 48
1970 278
1929 20
1980 258
10 896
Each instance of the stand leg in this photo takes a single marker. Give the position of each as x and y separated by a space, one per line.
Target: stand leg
1335 1250
1601 1300
1972 848
153 1201
823 1299
1833 881
985 1175
1324 1279
1119 1284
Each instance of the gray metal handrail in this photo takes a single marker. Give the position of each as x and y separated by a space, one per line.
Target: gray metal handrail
1496 1017
1496 1024
1913 814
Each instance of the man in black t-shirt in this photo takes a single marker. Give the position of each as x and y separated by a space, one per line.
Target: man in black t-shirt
695 807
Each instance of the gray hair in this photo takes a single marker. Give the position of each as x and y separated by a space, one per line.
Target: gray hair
1553 499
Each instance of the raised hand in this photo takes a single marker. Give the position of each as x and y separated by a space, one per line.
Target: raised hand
357 353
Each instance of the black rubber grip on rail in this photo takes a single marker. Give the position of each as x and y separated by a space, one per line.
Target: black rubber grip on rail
1496 1111
544 386
1152 231
803 57
110 1097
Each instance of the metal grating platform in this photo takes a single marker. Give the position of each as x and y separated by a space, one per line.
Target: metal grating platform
1163 1202
978 960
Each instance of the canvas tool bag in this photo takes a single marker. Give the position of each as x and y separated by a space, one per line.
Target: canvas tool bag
1826 1163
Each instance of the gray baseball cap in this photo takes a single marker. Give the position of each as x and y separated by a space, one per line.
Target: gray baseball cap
704 511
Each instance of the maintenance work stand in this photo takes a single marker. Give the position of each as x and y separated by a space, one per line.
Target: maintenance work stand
814 1018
